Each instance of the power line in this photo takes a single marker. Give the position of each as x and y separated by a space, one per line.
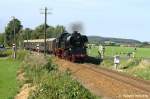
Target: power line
45 27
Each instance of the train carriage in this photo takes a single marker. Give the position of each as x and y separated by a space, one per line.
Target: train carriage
32 44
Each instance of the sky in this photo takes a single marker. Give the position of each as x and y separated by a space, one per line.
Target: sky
128 19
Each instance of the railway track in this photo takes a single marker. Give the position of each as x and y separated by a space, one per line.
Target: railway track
107 83
136 82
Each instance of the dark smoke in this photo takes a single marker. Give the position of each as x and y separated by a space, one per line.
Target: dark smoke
77 26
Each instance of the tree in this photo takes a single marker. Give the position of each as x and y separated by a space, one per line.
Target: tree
59 29
9 31
26 33
1 38
50 31
38 33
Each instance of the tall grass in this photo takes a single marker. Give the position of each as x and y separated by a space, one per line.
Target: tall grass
50 82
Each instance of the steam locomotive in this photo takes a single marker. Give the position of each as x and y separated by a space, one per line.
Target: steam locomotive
67 46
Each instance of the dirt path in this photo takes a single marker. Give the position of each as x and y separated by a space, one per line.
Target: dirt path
102 85
24 92
25 89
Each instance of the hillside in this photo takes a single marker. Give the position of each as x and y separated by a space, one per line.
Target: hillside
97 39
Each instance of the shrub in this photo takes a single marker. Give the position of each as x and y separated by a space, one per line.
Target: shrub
5 53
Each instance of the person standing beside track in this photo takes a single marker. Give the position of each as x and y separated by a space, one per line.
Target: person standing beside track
101 50
116 61
38 48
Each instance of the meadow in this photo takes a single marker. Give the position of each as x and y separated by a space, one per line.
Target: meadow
112 50
8 82
138 66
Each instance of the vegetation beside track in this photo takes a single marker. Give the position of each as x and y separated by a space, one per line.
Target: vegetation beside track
142 69
8 72
50 82
138 66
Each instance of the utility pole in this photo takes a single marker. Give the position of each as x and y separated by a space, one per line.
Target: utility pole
27 36
14 44
45 27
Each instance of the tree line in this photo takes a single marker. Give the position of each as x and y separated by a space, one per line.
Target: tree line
21 33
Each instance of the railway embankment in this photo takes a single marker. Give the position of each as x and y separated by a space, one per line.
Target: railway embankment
107 83
41 79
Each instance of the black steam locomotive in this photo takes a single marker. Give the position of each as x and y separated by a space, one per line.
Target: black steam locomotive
71 46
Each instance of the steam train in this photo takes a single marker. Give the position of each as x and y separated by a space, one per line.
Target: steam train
67 46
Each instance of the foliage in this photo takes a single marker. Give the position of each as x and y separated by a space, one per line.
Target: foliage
21 54
143 73
1 38
107 62
9 31
24 35
27 33
51 83
131 63
98 40
6 53
8 82
145 44
38 33
141 70
56 85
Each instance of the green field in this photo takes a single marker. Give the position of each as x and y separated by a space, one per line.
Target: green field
8 82
138 66
111 51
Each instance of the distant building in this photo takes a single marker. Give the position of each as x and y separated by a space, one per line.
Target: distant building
91 45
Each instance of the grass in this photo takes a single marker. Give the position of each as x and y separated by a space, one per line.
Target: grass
8 73
8 82
141 70
133 66
112 50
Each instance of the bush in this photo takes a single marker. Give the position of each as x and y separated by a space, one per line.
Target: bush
49 66
5 53
20 54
